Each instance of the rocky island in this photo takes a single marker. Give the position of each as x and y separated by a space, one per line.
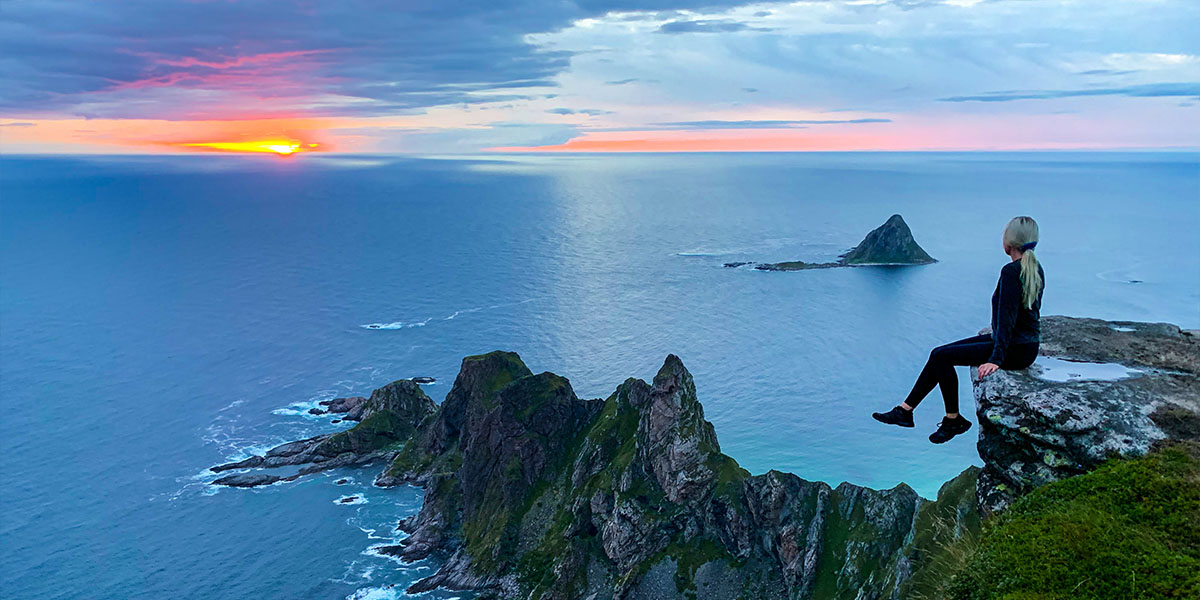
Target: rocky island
890 244
533 492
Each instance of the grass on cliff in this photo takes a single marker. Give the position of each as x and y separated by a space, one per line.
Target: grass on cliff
1128 530
380 429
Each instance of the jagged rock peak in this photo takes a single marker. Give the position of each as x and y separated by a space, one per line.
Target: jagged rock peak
674 439
478 380
890 243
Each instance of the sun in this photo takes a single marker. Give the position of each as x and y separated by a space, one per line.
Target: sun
282 147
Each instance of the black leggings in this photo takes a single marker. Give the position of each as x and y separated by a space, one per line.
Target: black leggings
972 351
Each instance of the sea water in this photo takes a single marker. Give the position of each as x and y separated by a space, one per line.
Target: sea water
159 315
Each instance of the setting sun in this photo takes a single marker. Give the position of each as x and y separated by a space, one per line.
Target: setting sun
280 147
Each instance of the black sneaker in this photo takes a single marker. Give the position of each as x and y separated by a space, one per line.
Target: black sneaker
896 416
949 428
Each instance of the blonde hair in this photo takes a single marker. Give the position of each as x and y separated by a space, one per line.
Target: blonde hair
1019 232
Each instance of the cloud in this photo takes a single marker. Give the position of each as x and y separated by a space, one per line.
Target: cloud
1113 72
707 26
16 124
150 58
1149 90
584 111
621 81
759 124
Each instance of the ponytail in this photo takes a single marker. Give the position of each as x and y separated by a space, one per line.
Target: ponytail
1031 279
1022 233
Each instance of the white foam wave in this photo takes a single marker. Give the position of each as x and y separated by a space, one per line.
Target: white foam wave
392 325
233 404
391 592
1126 274
351 500
397 325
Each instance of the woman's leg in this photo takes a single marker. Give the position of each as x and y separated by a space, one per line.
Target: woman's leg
939 370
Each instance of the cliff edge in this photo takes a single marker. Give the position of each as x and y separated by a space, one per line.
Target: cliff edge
1099 390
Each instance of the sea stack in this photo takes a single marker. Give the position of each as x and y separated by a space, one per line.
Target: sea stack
890 244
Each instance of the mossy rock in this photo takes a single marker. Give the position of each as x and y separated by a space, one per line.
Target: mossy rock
379 430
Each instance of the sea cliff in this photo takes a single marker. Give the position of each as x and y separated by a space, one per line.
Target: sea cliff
533 492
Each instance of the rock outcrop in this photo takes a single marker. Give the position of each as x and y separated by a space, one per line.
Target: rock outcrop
890 244
1034 431
386 422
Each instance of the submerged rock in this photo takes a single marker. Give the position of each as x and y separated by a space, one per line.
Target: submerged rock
1034 430
890 244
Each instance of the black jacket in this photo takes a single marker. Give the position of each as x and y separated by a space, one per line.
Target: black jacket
1012 323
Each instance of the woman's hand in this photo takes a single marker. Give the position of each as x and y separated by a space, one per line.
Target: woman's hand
987 369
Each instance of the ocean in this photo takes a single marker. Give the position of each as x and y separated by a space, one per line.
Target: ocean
159 315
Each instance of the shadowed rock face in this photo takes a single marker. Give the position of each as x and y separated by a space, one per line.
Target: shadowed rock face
889 244
1034 431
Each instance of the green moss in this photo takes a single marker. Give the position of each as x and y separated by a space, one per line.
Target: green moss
536 392
507 366
1129 529
730 477
380 429
690 556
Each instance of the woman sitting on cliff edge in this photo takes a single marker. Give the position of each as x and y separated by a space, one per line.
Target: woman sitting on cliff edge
1013 343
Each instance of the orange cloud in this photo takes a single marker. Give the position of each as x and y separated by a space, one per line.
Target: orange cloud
281 135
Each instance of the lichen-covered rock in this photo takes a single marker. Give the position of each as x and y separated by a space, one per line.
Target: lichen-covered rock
1034 430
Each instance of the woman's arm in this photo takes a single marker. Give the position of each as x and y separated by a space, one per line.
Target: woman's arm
1006 313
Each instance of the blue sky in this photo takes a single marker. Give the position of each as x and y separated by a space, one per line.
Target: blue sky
444 77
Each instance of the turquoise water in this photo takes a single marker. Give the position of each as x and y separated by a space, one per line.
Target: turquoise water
161 315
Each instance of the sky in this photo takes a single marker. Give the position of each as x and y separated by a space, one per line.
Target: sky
470 76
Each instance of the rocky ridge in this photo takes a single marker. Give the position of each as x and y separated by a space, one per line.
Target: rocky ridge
890 244
532 492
